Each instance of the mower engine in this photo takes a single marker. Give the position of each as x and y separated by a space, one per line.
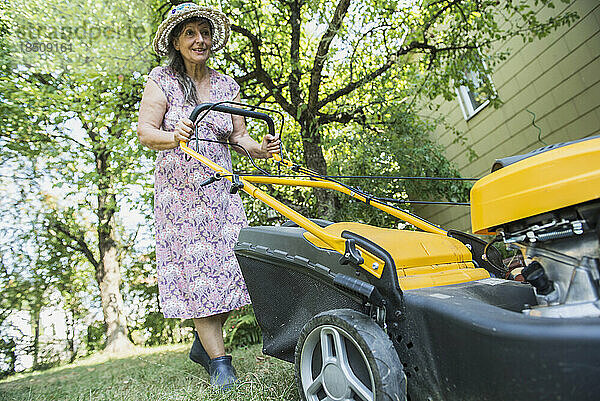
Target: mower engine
561 249
547 205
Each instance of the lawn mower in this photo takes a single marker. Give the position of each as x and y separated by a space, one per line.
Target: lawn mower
368 313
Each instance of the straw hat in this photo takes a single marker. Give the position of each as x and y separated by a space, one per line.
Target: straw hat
220 24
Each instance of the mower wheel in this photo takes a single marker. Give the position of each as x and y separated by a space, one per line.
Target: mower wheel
343 355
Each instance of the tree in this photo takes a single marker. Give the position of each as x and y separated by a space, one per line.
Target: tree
13 288
81 114
64 268
36 267
98 170
330 64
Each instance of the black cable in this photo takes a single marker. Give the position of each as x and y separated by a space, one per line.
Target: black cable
423 202
404 177
369 176
502 269
312 174
358 191
368 196
239 146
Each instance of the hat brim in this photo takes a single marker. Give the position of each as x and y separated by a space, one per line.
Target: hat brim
220 25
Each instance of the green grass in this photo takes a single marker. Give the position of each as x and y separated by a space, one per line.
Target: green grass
159 373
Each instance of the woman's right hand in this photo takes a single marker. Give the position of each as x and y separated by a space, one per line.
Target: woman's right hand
183 130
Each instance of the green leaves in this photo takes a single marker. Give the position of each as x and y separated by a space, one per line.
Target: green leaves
83 36
241 329
74 127
385 60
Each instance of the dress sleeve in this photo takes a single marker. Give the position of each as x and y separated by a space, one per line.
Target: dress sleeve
158 76
234 87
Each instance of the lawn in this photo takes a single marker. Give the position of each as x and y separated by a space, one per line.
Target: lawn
159 373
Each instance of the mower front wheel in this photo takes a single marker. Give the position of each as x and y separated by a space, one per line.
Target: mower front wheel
342 355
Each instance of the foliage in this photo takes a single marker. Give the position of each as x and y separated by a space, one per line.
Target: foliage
13 294
241 329
8 357
43 273
343 67
83 36
95 337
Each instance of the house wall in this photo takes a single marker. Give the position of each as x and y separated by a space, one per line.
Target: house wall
557 78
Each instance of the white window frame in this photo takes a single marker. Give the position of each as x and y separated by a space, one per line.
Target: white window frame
466 96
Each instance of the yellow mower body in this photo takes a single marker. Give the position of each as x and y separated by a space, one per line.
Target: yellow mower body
422 259
545 182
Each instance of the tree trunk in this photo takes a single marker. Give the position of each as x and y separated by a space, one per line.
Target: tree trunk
36 337
315 160
108 273
70 323
109 281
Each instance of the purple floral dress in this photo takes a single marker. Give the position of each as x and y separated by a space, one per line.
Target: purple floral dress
197 227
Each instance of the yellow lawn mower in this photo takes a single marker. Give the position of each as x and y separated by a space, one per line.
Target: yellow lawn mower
369 313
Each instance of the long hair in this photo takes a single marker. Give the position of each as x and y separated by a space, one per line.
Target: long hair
190 95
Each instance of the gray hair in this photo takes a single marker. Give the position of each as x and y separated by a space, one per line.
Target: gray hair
190 94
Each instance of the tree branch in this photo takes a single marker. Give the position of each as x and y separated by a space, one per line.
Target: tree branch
343 117
323 50
386 66
237 61
5 313
364 35
64 136
295 73
248 77
261 74
82 246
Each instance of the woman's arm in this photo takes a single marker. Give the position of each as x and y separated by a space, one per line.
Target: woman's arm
240 136
152 111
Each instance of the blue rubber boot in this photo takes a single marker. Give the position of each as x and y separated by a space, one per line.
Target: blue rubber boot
198 353
222 374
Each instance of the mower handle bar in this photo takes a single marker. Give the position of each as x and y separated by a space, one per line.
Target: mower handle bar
233 110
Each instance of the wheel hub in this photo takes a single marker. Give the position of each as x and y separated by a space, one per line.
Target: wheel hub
335 383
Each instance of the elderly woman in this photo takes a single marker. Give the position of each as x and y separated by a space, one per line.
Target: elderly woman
196 227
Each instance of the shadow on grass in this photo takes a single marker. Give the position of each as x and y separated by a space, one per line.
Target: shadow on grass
161 373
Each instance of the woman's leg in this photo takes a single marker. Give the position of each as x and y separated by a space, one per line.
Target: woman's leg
210 331
224 317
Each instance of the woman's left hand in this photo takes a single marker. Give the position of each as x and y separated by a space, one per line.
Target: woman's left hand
270 144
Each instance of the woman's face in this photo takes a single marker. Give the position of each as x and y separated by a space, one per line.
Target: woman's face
194 42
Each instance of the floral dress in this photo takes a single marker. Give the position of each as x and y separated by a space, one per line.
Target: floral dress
197 227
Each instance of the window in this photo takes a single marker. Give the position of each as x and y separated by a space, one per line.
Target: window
472 101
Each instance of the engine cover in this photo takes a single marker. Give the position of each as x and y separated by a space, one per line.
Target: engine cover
548 181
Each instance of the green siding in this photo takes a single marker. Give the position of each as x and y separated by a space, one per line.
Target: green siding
557 78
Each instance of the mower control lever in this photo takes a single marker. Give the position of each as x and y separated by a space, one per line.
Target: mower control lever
351 254
236 184
210 180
